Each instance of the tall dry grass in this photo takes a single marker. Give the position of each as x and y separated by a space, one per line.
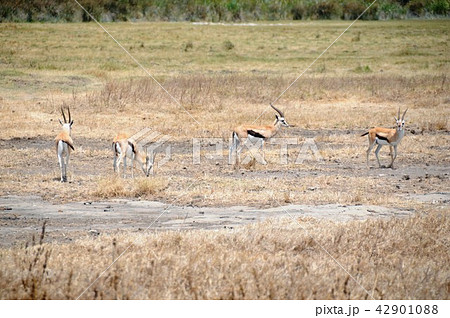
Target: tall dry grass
276 259
315 103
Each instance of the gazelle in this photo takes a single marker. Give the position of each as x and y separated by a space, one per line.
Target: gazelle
125 147
255 134
386 136
64 144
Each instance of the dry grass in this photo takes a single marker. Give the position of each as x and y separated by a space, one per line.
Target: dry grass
331 103
352 88
139 188
397 259
107 92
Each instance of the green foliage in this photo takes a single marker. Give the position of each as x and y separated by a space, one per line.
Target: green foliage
363 69
215 10
228 45
439 7
325 10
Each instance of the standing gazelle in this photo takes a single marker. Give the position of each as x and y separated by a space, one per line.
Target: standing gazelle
64 143
386 136
124 148
255 133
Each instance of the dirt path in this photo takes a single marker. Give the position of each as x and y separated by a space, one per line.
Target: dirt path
22 217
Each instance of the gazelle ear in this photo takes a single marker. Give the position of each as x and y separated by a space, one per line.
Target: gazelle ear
71 122
395 118
276 116
60 122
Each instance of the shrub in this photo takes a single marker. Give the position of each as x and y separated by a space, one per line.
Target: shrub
417 7
440 7
325 10
298 11
352 9
228 45
188 46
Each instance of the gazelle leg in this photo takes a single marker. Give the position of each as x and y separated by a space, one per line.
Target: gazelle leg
61 166
230 153
262 151
124 166
152 163
368 153
239 147
376 154
132 167
393 156
118 162
64 176
65 166
391 153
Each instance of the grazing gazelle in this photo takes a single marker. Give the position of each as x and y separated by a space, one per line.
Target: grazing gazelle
386 136
64 143
124 148
256 134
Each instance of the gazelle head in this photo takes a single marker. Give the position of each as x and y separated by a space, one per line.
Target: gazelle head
67 125
400 123
280 119
146 162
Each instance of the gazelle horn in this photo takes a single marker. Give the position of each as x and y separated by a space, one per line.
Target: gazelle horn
398 116
403 117
64 116
277 110
70 118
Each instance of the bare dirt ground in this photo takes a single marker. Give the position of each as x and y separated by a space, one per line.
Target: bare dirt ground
418 184
22 217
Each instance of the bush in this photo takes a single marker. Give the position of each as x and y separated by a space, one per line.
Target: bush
188 46
298 11
228 45
215 10
440 7
391 10
417 7
325 10
352 9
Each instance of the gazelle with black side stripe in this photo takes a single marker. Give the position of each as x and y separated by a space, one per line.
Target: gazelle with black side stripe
124 148
386 136
64 144
255 134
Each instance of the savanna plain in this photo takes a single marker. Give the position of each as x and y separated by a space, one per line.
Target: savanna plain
220 76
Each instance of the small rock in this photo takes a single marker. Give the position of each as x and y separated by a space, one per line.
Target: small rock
94 232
